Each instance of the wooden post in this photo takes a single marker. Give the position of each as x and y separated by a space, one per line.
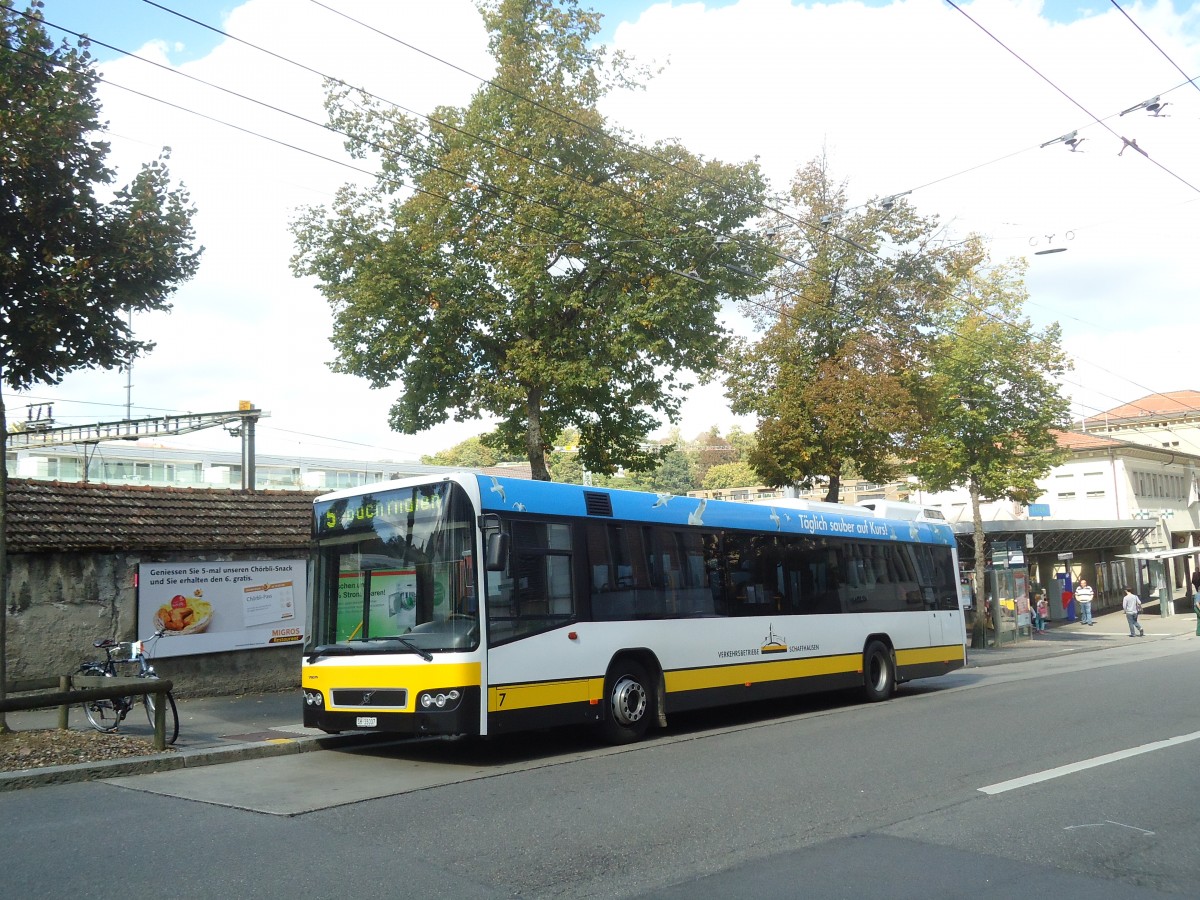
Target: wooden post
160 721
64 711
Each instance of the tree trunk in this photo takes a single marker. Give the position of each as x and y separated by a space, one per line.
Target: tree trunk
835 488
982 608
535 442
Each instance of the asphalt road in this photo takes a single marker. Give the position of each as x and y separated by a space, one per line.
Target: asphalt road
1071 776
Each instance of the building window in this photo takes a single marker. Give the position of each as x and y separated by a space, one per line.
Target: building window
1066 495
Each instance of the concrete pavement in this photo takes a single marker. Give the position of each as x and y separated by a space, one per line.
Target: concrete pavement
1111 630
255 726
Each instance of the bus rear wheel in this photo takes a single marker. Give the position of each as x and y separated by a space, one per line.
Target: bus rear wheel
630 703
879 672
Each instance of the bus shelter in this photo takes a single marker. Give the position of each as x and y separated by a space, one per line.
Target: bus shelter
1154 581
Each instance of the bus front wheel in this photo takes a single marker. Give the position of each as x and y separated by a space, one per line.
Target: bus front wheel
879 672
630 703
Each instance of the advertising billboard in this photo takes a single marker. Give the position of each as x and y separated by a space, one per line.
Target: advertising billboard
208 607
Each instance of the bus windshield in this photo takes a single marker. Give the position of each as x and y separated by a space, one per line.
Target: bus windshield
395 572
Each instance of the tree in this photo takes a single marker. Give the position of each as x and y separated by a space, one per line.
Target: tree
72 268
474 453
730 475
992 403
523 258
712 450
742 442
832 376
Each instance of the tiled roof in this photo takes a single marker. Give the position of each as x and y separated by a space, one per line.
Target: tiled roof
510 470
1074 440
1080 441
52 516
1172 403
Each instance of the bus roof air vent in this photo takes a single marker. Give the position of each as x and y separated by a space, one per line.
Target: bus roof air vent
598 504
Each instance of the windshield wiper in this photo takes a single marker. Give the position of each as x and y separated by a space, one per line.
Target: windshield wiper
420 651
372 645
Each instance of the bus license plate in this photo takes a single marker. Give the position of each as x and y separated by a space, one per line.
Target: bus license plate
367 722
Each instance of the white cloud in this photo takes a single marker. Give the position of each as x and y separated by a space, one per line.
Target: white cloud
902 96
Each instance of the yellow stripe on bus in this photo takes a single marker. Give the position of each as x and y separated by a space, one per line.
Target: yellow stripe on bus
507 697
752 673
919 655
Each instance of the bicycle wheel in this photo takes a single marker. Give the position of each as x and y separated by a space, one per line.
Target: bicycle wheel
171 726
103 715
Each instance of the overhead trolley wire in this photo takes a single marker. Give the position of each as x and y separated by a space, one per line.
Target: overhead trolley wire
784 292
1071 99
566 118
1190 79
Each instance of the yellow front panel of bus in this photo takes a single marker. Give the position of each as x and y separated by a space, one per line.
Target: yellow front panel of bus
753 673
415 678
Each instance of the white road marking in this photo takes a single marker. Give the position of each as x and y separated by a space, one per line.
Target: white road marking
1048 774
1108 822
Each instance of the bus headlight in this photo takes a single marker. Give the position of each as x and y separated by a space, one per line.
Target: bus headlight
314 698
440 699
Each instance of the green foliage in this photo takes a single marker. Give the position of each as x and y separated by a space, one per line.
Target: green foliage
711 449
993 402
566 467
71 267
473 453
730 475
674 475
743 443
522 258
833 376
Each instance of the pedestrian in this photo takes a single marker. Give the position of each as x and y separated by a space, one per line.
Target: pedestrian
1196 597
1084 596
1132 604
1041 609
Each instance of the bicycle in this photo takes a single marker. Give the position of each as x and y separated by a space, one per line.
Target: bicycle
107 715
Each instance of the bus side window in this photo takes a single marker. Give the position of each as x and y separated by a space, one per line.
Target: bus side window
683 573
754 574
542 584
810 571
620 581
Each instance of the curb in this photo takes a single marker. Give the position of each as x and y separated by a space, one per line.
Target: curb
186 759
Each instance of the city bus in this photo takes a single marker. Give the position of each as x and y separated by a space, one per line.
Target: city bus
468 604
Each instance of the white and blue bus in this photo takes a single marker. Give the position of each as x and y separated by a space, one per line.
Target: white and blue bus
476 605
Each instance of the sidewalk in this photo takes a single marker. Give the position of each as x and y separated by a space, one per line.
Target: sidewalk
211 730
1110 630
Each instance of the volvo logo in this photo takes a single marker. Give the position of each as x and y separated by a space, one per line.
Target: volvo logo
366 697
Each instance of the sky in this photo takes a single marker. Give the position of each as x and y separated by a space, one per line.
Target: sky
950 102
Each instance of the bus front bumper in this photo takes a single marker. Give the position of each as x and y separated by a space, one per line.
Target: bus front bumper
463 718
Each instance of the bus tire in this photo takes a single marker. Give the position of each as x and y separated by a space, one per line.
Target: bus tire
879 672
629 702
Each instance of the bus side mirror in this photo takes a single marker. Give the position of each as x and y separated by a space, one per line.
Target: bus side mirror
497 552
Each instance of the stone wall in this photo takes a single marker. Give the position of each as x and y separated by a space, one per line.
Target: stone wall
59 603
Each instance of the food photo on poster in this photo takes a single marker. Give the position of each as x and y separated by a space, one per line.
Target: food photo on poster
209 607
